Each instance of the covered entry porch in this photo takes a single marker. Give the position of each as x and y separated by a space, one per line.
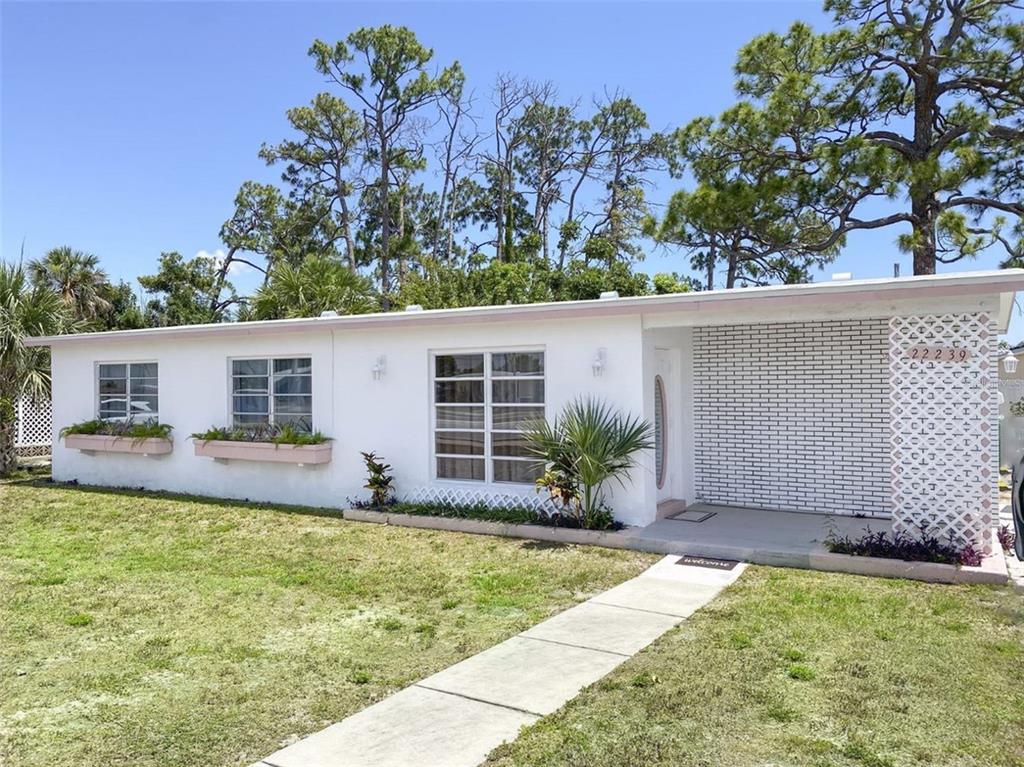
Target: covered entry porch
790 419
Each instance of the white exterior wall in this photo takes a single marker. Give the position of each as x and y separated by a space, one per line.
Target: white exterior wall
793 416
389 416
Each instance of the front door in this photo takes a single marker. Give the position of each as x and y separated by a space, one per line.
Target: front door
663 415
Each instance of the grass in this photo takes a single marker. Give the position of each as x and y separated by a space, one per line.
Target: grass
794 668
141 629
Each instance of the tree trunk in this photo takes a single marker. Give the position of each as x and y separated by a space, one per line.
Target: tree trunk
346 228
8 457
923 203
385 217
401 238
712 258
545 227
730 278
221 278
499 220
925 208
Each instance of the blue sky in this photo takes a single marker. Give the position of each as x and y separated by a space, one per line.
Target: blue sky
128 127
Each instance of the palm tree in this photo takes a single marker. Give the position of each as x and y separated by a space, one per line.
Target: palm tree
76 277
317 285
588 445
25 310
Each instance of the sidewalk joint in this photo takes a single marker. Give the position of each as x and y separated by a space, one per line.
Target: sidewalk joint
577 646
479 700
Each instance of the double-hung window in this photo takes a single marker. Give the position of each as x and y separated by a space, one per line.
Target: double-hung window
482 403
272 390
127 391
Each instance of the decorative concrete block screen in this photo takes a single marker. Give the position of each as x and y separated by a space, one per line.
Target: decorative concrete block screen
945 421
793 416
33 433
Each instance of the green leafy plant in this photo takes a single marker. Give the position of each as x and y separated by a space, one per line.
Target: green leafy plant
587 446
379 482
147 429
285 434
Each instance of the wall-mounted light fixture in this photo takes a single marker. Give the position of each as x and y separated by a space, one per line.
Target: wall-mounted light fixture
600 362
1010 363
380 367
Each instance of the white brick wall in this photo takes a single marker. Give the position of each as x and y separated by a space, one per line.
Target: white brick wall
793 416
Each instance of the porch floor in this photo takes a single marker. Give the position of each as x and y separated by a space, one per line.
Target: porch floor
761 536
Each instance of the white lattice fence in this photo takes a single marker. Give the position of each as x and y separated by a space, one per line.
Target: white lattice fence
34 428
473 496
944 423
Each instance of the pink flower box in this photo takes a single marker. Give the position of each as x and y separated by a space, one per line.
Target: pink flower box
229 450
105 443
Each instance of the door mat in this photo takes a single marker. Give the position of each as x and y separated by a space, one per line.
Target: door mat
692 516
709 562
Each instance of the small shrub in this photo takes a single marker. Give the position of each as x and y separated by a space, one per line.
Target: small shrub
924 547
130 429
588 446
285 434
793 655
389 624
379 482
79 619
1006 537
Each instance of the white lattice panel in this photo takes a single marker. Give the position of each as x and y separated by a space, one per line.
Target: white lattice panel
472 496
944 424
33 425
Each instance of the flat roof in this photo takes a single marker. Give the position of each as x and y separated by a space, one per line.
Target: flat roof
1001 282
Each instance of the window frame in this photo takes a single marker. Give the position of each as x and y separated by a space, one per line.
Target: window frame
269 359
128 391
488 406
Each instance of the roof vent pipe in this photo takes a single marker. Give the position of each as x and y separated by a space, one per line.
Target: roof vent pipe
608 294
414 308
842 276
329 313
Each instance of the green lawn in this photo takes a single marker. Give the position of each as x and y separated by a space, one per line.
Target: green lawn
147 630
792 668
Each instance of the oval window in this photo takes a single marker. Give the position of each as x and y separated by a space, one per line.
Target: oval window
660 432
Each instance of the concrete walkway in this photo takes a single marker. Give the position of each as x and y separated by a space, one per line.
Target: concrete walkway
456 717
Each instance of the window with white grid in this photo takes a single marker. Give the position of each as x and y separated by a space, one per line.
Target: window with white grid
272 390
127 391
482 403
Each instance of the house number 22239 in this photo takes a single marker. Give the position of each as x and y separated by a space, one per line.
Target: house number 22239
938 353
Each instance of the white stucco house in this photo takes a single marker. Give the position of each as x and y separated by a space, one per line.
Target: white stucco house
854 397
